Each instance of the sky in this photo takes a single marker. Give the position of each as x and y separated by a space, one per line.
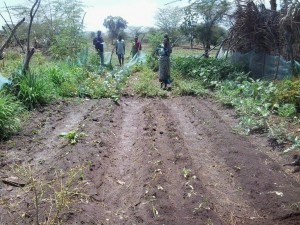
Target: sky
135 12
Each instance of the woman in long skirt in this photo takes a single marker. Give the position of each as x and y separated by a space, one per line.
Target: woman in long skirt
164 52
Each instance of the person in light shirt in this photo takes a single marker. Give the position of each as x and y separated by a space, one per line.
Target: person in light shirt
120 50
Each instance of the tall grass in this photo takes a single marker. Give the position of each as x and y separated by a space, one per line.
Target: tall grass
10 110
34 90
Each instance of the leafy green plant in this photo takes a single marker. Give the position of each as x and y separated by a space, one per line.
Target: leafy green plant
287 110
186 172
295 140
72 136
248 124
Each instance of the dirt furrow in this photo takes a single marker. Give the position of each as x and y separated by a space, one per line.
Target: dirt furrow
216 176
121 187
176 194
238 175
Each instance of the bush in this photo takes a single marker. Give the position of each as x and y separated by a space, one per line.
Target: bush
287 91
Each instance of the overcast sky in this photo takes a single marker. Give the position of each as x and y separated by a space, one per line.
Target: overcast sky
135 12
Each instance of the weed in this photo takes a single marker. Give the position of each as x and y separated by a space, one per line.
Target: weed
296 206
186 172
202 206
72 136
49 197
155 212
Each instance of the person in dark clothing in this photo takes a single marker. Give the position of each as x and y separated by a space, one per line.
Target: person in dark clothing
98 42
136 47
164 51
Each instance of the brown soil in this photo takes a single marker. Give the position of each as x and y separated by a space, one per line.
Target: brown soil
174 161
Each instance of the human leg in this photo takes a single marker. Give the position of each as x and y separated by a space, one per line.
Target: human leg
101 54
119 59
122 59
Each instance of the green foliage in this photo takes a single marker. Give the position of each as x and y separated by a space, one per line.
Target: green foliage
69 38
248 124
154 40
152 62
10 110
186 86
217 33
168 20
145 86
72 136
33 90
287 110
287 91
209 70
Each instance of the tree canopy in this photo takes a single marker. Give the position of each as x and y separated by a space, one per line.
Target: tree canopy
114 24
211 12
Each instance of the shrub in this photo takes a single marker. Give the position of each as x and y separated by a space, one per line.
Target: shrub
287 91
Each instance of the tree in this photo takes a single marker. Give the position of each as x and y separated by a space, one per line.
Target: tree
30 52
67 22
189 24
54 24
217 34
273 5
135 30
114 24
212 13
168 20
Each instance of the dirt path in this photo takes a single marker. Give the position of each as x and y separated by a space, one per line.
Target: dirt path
174 161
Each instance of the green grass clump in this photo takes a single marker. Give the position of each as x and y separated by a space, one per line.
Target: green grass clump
10 110
34 90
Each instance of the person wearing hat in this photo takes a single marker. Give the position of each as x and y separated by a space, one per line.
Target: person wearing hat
136 47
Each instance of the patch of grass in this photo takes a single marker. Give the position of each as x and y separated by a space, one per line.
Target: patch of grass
46 200
34 90
10 110
146 85
183 86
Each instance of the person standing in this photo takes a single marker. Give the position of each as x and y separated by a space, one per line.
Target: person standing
137 46
98 42
164 51
120 50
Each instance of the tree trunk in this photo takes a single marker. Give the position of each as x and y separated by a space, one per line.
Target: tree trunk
207 48
273 5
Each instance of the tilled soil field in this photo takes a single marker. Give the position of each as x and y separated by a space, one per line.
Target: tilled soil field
173 161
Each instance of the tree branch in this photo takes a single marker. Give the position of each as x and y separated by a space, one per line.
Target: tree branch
10 36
